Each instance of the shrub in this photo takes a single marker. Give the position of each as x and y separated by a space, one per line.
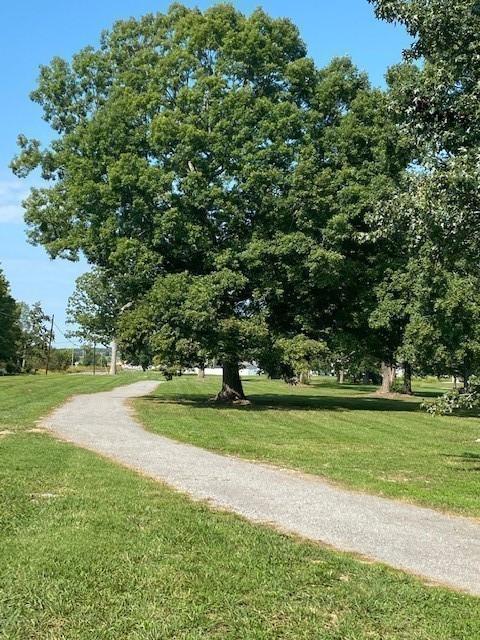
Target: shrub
455 400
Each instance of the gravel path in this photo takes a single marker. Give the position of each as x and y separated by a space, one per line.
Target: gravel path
441 548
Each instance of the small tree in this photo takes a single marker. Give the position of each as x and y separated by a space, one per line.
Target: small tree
94 309
300 354
60 359
35 336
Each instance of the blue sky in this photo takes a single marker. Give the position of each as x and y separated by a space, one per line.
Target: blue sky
33 32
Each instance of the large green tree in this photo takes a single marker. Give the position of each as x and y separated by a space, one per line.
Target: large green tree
432 291
217 177
357 168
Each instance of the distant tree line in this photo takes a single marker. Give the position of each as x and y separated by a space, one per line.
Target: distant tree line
24 334
238 203
25 339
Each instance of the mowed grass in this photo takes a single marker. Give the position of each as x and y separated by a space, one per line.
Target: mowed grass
90 550
24 399
345 433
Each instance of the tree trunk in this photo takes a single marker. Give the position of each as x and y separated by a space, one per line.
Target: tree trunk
232 389
388 377
341 376
201 372
113 359
304 377
466 377
407 378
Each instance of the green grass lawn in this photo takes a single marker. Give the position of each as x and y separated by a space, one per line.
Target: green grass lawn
24 399
89 550
386 446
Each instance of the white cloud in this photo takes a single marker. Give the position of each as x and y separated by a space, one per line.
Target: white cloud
11 195
11 213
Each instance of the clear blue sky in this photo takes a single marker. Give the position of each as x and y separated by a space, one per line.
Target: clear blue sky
32 32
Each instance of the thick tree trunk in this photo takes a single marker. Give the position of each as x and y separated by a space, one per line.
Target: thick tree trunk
201 373
341 376
232 389
113 359
388 374
407 378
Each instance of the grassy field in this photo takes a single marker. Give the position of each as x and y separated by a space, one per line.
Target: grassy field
90 550
24 399
386 446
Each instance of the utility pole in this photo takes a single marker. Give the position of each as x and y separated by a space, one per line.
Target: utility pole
94 353
50 338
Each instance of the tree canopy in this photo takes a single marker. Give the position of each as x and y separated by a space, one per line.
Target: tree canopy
239 203
430 291
216 175
35 336
93 308
9 326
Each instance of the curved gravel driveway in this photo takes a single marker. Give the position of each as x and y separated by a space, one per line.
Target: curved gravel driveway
441 548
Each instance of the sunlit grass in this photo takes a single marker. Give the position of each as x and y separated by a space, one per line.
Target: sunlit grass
26 398
345 433
89 550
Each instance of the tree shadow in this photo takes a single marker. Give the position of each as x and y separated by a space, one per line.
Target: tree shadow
468 458
288 402
429 393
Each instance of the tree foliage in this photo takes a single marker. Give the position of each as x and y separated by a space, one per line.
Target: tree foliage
9 326
60 359
455 400
215 175
238 203
430 293
35 336
94 308
301 354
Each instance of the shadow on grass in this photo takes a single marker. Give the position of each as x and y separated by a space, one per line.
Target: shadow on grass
429 393
288 402
468 458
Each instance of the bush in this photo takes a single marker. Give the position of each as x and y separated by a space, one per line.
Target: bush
60 359
455 400
398 386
